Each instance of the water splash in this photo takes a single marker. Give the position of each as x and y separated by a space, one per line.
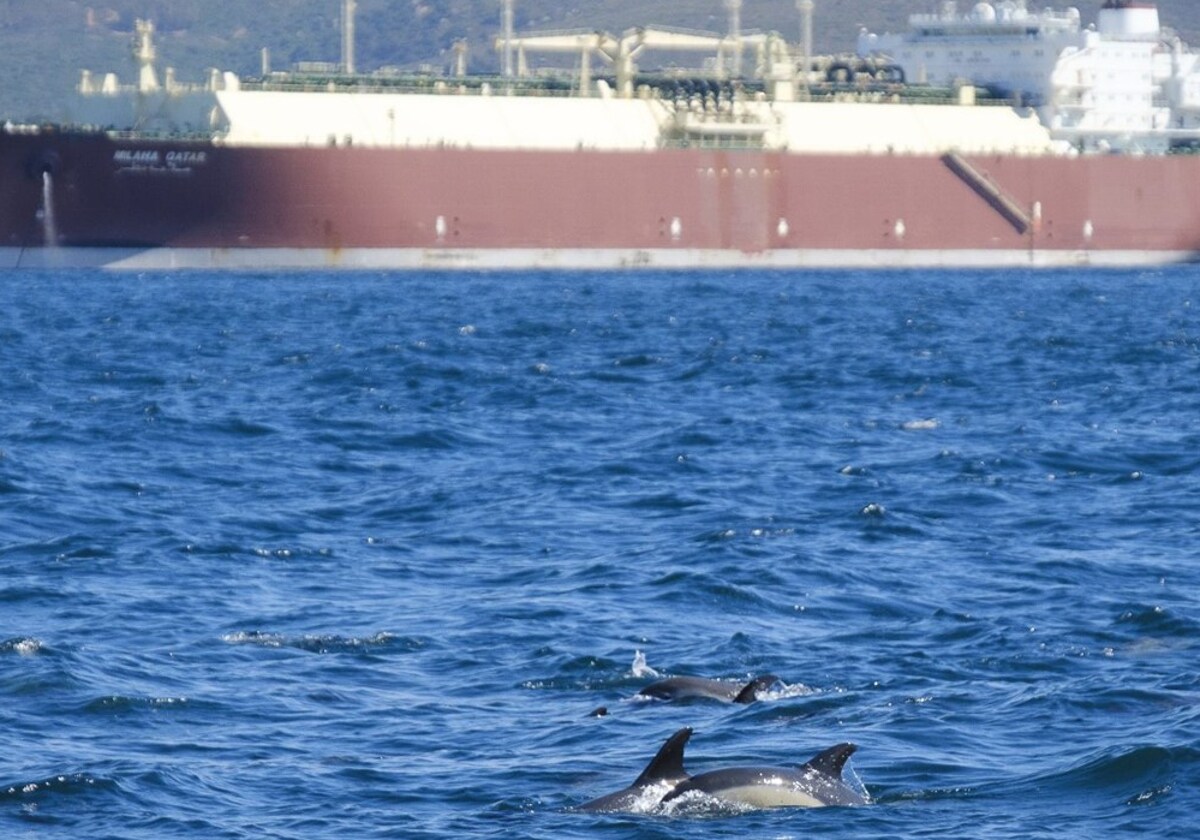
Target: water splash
325 643
64 784
49 220
639 668
22 646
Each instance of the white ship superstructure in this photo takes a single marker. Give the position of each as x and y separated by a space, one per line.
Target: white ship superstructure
1122 84
1012 48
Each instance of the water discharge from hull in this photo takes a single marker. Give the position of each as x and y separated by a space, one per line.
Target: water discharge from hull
49 222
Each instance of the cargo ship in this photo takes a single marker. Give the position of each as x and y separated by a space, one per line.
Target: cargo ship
995 136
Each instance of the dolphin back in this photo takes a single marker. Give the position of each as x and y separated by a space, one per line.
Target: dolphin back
832 761
665 769
667 764
684 688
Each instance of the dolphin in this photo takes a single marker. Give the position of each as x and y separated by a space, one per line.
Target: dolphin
818 783
664 772
683 688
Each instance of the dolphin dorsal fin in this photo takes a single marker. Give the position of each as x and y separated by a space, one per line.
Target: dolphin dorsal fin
749 692
667 765
832 760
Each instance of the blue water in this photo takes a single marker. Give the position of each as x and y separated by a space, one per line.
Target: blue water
335 556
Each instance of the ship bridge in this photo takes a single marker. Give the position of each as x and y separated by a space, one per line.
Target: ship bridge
1124 84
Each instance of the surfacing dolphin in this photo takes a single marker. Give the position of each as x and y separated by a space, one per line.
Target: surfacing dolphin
663 773
684 688
818 783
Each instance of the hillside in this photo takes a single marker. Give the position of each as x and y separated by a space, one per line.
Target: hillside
45 44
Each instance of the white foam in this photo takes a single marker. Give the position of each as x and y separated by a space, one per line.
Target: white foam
24 646
253 637
697 803
650 798
785 691
27 647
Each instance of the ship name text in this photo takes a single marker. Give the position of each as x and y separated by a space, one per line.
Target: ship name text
158 161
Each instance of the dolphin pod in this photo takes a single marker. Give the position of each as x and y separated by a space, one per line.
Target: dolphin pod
815 784
683 688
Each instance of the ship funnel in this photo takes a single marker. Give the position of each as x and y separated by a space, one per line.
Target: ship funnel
1124 20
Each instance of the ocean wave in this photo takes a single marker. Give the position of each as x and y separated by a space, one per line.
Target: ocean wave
1124 776
327 643
239 427
582 674
1130 776
1142 768
66 784
680 587
116 703
443 440
1158 620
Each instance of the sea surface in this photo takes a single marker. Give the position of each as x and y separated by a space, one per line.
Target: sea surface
357 555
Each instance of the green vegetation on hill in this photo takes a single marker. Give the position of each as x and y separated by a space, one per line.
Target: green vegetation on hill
44 44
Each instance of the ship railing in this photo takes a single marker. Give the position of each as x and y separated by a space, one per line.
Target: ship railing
540 86
897 95
141 134
718 142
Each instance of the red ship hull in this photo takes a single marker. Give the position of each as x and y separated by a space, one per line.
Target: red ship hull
148 203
